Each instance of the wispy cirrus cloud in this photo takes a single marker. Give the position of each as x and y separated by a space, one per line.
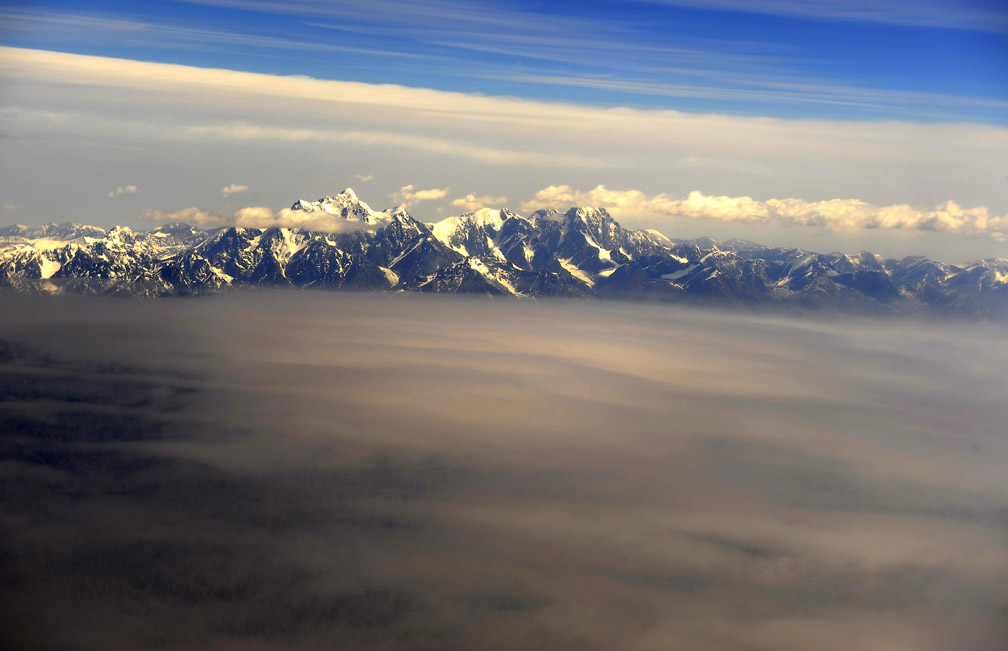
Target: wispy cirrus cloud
431 15
456 123
833 215
790 90
466 136
124 189
970 15
150 34
498 155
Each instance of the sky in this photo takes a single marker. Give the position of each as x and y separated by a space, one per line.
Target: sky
827 125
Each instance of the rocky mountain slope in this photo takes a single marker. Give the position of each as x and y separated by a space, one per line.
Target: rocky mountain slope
583 252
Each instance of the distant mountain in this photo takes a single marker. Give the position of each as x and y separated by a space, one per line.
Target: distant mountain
581 253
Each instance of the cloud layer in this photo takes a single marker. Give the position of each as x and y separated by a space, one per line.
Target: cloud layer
271 470
833 215
257 217
295 135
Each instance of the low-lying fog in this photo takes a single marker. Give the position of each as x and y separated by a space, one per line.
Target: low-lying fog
358 471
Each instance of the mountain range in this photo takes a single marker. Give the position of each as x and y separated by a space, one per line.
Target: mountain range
582 253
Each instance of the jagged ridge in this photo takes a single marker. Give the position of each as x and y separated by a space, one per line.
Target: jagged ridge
583 252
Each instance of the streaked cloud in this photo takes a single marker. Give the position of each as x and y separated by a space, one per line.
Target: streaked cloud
147 34
233 188
431 139
246 131
459 123
761 89
123 189
969 15
363 178
471 202
833 215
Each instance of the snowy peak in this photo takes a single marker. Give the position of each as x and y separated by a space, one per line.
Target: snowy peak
582 252
67 231
346 205
47 237
472 233
548 214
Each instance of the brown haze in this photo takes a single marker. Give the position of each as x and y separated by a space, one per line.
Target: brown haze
314 470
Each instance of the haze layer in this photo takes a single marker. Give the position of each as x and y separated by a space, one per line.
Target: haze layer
298 469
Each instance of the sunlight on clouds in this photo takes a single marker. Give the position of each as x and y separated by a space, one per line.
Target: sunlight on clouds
123 189
471 202
398 113
262 217
408 195
233 188
894 169
833 215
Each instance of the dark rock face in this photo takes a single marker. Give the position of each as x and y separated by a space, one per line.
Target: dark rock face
582 253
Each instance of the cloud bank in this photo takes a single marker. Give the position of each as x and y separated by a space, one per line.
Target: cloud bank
934 177
269 470
477 127
834 215
258 217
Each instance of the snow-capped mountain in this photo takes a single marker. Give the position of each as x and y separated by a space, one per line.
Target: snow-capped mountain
346 205
582 252
49 235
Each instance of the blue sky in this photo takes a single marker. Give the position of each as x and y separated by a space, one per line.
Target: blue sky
824 123
923 60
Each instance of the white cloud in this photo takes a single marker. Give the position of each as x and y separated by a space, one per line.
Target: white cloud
833 215
261 217
471 202
123 189
233 188
193 215
248 131
487 128
258 217
408 195
470 137
363 178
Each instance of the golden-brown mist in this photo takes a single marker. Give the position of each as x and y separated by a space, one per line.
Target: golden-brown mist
314 470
